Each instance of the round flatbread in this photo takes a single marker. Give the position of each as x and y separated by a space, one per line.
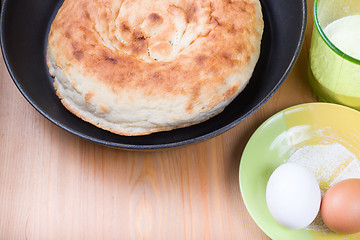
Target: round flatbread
135 67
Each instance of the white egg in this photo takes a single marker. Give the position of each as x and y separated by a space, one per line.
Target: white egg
293 196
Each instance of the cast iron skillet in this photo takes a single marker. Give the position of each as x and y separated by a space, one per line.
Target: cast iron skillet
24 28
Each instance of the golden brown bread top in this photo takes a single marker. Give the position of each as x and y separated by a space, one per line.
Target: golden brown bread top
159 47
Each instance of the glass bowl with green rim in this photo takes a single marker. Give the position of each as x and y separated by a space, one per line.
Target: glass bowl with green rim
333 74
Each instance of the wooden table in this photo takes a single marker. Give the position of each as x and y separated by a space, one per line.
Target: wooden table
54 185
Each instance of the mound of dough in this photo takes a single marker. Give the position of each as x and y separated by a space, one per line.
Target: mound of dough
135 67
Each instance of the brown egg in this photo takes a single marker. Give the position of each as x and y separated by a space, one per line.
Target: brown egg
340 207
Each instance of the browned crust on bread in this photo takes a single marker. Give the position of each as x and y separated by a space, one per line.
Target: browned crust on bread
123 45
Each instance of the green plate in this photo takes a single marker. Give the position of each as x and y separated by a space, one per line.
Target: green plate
274 141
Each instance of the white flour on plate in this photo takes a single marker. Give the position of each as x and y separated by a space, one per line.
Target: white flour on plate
330 164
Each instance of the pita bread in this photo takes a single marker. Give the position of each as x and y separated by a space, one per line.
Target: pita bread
135 67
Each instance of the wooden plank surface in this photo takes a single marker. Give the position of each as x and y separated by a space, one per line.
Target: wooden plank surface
54 185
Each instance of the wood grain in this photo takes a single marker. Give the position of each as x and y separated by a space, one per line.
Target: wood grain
54 185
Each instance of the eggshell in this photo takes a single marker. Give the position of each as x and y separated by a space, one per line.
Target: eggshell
340 207
293 196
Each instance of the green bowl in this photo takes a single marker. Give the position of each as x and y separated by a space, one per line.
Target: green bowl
274 141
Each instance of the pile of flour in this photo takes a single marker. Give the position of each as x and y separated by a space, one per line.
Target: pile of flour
330 164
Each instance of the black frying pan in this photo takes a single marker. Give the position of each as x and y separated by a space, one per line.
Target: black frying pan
24 28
